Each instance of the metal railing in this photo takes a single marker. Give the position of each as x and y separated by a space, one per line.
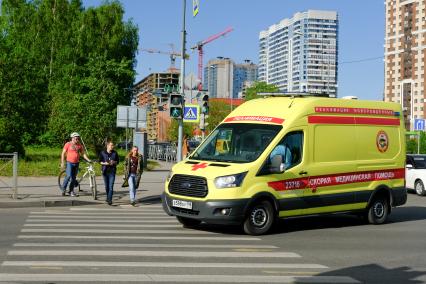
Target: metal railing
165 152
9 171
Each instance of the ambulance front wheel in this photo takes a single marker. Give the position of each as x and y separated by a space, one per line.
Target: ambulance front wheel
188 222
378 210
260 218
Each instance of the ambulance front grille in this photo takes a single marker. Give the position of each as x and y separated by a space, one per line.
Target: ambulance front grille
188 186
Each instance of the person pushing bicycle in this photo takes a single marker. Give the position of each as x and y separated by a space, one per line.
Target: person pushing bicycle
72 151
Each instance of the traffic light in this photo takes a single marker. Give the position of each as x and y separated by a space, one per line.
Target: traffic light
176 106
205 104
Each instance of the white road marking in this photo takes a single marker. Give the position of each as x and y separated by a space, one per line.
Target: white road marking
173 278
154 253
125 237
143 245
132 209
174 221
164 264
69 216
101 231
94 225
118 213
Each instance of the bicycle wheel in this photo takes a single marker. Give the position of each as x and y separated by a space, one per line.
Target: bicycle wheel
93 187
61 177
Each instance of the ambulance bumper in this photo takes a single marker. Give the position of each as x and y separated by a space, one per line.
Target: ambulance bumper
224 212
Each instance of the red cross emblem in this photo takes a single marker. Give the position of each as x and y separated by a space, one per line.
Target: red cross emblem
199 166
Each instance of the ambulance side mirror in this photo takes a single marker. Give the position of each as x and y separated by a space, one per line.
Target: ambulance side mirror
277 166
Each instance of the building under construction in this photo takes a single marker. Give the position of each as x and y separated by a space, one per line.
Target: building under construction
151 94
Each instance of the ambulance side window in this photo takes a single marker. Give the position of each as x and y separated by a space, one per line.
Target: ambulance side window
290 148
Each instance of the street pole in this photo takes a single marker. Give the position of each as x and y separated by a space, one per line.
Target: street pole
418 142
182 82
229 83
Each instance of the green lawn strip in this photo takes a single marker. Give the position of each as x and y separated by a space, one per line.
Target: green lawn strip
44 161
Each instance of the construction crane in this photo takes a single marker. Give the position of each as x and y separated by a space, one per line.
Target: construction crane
173 54
199 47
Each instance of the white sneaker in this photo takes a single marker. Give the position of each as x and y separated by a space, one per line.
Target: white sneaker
72 194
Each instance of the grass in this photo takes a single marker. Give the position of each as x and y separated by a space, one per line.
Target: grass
45 161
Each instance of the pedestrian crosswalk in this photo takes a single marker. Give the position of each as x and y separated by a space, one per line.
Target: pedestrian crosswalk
143 244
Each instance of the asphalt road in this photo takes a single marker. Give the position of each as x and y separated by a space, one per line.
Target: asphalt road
94 244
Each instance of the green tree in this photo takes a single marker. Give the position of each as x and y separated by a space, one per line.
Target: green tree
172 132
59 61
23 89
412 143
93 113
218 111
259 87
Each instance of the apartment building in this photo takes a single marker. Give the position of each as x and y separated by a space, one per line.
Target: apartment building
299 54
225 79
244 74
218 77
405 57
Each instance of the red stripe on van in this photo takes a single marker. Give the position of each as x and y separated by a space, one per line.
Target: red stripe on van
352 120
276 120
377 121
331 119
337 179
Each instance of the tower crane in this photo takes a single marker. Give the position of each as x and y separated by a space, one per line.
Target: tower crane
199 47
172 54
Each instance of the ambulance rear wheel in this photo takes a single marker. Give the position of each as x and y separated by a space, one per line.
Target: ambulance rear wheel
420 188
378 210
260 218
188 222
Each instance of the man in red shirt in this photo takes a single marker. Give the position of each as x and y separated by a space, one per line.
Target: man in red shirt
72 151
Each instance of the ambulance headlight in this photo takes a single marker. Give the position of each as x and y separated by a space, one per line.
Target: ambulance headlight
229 181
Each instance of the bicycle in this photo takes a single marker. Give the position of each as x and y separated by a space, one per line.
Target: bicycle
81 179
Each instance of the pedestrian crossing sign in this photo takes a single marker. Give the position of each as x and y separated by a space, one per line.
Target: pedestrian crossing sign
191 113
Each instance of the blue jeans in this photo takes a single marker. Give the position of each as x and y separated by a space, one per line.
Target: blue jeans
71 171
109 179
132 187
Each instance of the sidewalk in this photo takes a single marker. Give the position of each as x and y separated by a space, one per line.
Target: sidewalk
44 191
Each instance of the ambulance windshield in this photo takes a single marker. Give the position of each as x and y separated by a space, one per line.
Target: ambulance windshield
236 142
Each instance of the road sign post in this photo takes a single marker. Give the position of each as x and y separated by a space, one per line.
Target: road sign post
191 113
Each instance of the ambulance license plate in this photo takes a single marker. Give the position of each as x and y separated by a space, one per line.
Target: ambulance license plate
182 204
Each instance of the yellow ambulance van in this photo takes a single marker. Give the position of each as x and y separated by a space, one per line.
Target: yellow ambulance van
288 156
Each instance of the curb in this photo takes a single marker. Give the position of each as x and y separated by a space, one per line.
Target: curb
152 199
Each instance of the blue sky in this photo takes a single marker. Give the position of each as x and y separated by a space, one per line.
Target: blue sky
361 34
